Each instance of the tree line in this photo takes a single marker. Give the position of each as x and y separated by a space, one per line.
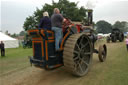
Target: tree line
71 11
105 27
67 9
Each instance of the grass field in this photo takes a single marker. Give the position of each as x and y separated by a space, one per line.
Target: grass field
15 59
114 71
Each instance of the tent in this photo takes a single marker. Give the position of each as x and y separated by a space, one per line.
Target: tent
8 41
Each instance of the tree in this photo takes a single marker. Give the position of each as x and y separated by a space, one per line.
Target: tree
103 27
123 26
30 23
82 11
14 35
22 33
68 10
117 24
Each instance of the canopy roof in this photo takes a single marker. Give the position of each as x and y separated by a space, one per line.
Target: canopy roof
4 37
9 41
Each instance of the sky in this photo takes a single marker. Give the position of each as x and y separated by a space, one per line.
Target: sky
14 12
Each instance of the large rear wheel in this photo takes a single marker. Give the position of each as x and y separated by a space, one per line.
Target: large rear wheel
121 37
114 39
78 54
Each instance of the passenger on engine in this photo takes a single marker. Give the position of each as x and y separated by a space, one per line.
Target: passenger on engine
45 22
56 21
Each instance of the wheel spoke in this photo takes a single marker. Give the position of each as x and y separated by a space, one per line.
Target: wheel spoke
78 46
81 42
76 52
85 62
76 58
84 45
80 68
87 53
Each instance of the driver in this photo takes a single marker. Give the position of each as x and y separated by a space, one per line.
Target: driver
56 21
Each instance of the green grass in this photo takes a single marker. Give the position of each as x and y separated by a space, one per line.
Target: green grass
15 59
117 70
114 71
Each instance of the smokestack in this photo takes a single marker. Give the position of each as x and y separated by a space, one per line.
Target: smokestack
90 16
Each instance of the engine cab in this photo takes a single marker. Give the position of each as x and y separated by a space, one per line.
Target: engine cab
44 55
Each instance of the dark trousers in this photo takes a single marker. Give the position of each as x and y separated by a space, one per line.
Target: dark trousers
2 52
127 46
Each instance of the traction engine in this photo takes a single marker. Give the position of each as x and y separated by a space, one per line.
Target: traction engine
76 48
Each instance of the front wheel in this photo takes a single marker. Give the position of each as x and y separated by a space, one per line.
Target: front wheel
108 39
102 53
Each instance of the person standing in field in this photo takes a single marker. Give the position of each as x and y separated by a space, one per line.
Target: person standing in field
0 46
127 42
2 49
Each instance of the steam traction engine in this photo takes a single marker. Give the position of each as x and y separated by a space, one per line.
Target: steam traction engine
76 48
115 35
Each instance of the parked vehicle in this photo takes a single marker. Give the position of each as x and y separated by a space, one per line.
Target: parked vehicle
115 35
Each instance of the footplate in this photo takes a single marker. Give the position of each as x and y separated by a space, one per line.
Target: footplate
38 63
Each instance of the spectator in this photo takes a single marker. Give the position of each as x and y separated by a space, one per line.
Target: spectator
56 21
0 46
45 22
2 49
127 42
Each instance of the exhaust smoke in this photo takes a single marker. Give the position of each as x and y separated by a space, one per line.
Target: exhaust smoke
91 4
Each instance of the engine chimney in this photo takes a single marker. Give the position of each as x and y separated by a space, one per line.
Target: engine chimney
90 16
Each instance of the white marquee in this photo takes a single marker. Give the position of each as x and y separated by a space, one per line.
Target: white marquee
9 41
